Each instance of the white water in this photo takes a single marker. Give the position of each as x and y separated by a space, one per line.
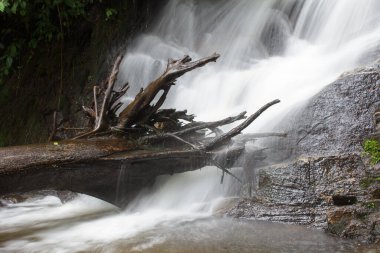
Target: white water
269 49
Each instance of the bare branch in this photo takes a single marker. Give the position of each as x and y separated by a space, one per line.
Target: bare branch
100 122
175 68
95 104
237 130
54 130
210 125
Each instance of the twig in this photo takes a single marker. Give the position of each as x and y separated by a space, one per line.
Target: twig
52 135
95 104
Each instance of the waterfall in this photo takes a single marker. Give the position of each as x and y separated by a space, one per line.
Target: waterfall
285 49
269 49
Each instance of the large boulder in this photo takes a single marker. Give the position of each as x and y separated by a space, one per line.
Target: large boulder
339 118
326 181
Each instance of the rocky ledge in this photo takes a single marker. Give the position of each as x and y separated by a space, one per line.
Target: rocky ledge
327 181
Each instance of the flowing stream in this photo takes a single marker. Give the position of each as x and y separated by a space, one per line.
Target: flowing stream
286 49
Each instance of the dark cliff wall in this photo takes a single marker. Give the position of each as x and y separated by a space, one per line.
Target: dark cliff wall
34 92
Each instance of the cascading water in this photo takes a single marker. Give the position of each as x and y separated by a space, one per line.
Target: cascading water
270 49
286 49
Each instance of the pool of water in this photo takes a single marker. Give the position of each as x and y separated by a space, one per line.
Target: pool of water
86 224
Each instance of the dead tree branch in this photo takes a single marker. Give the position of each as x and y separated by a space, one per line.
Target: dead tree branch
140 107
192 129
100 119
237 130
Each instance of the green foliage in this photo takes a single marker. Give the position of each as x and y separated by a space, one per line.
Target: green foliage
26 24
372 148
110 13
366 182
371 205
3 5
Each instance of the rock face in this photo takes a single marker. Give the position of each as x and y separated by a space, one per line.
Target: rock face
340 117
327 182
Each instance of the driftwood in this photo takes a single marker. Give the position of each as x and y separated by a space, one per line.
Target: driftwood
115 178
140 109
142 133
153 124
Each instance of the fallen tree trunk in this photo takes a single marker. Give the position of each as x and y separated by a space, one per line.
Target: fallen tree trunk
55 153
142 142
115 178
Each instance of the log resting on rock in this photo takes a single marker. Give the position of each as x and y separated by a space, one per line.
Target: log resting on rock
137 145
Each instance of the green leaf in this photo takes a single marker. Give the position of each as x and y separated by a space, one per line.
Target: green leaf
3 4
110 12
9 62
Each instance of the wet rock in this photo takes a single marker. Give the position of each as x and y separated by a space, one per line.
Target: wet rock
223 206
339 118
306 187
375 221
337 219
335 121
64 196
356 229
322 192
354 222
255 209
325 181
13 199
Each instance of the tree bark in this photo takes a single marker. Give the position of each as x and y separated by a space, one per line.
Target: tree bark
140 107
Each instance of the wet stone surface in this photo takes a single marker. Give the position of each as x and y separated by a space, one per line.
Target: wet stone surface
64 196
326 182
